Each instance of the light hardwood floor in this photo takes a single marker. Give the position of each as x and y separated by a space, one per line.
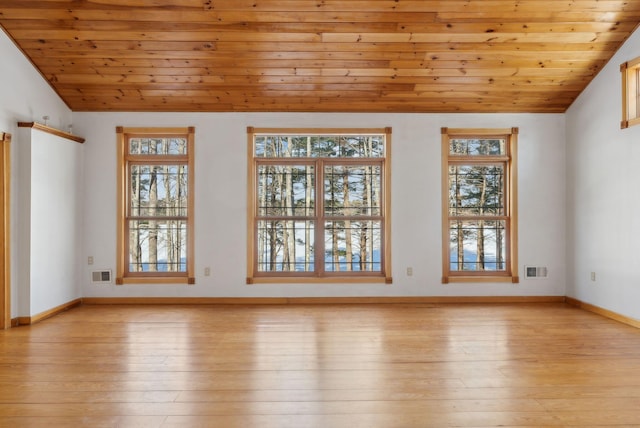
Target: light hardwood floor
401 365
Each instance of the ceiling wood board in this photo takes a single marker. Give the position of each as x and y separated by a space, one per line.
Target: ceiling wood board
319 55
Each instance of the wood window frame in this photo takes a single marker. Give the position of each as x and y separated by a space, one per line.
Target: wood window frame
630 76
254 277
5 228
511 207
122 275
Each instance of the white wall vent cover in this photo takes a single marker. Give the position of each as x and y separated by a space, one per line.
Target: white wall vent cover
101 276
535 271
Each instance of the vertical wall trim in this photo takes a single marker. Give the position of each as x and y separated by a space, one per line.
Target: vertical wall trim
5 228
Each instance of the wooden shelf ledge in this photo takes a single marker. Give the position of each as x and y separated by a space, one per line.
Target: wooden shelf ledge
50 130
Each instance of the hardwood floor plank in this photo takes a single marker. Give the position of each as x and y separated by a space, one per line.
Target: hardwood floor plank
425 420
419 407
82 421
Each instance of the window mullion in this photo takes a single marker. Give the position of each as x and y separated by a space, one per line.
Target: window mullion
159 218
158 159
478 217
128 194
506 189
319 245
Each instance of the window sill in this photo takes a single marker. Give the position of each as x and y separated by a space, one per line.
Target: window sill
156 280
316 280
479 279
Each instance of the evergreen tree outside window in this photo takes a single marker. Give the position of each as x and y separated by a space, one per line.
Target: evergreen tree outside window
155 205
479 205
318 205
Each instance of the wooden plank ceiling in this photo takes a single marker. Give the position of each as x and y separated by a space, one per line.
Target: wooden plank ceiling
319 55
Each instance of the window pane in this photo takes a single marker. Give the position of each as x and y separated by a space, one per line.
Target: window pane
352 190
159 190
282 146
325 146
347 146
353 246
477 245
476 190
358 146
157 246
285 245
319 146
285 190
477 147
158 146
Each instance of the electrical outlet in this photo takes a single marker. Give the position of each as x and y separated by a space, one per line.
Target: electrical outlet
593 276
207 271
409 271
90 260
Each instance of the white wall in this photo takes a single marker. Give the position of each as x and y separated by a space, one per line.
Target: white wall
603 215
56 222
24 97
50 221
220 218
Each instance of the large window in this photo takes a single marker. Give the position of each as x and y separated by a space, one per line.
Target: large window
155 205
479 205
630 72
319 205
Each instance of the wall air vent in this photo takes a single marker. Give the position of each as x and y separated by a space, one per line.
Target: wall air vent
532 272
101 276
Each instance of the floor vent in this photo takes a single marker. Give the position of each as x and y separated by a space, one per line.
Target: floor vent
101 276
535 271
